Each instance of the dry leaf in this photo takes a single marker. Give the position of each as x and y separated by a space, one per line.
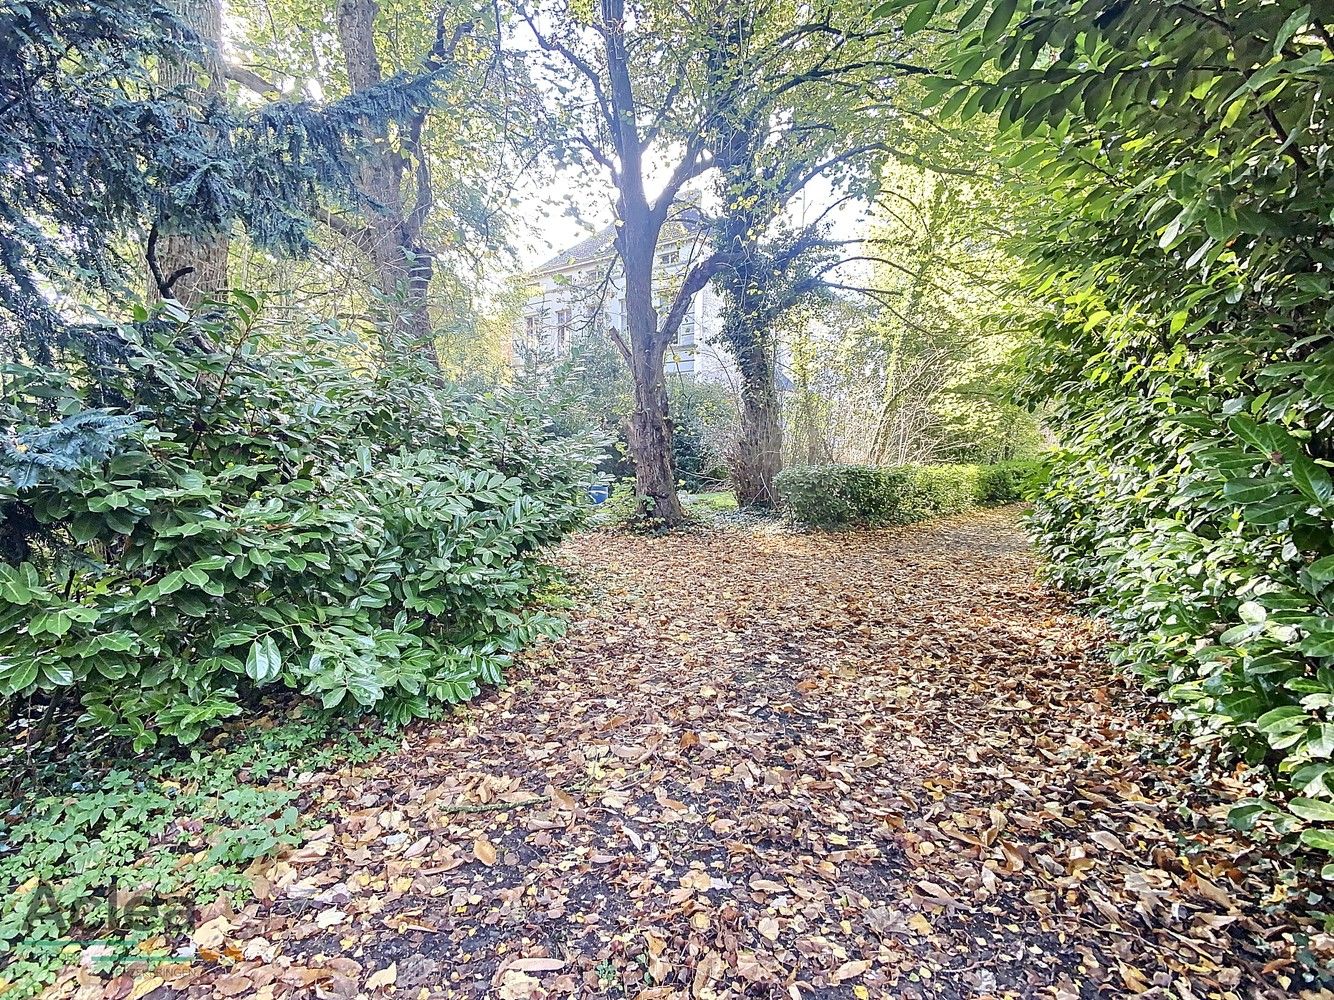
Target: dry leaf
232 986
849 970
516 984
329 918
537 964
484 851
212 933
387 976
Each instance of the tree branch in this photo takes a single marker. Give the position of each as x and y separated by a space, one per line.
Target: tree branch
250 80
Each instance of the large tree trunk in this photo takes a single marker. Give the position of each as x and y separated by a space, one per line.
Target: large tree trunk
759 452
392 236
637 244
650 424
197 262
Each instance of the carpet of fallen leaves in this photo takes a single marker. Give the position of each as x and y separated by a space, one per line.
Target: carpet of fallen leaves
766 764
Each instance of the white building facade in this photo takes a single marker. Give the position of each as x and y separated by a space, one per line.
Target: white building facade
581 292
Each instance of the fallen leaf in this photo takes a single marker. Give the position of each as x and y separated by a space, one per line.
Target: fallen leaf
537 964
849 970
484 851
212 933
387 976
233 985
516 984
329 918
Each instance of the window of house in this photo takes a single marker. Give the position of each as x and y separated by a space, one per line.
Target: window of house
532 326
669 256
563 320
681 364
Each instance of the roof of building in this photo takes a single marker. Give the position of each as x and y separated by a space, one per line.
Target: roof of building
685 218
589 248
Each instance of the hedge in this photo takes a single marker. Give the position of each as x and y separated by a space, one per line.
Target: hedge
836 496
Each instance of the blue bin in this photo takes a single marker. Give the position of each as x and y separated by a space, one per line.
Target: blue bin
599 494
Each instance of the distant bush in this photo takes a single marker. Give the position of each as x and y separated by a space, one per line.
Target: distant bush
1010 482
834 496
244 515
703 427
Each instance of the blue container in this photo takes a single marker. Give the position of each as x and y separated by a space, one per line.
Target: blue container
599 494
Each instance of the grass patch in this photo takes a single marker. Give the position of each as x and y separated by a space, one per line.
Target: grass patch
717 501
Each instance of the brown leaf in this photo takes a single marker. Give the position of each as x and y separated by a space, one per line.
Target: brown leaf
515 984
233 985
537 964
849 970
1108 840
484 851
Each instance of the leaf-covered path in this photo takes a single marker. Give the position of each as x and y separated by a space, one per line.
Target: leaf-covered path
764 764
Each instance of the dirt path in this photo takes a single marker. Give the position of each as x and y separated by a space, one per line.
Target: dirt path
764 765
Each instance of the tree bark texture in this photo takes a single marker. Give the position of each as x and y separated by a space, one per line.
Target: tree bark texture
759 450
637 242
391 237
198 262
650 424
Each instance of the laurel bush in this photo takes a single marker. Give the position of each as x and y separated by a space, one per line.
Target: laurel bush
835 496
269 513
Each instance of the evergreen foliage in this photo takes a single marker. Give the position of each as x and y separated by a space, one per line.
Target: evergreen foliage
95 155
277 515
840 496
1185 279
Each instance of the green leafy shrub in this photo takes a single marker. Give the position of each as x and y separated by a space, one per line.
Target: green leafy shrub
274 515
1010 482
703 426
834 496
1182 279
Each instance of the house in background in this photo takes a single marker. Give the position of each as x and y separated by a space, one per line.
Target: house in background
581 291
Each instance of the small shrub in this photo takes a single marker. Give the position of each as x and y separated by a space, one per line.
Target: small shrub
1009 482
621 507
834 496
703 427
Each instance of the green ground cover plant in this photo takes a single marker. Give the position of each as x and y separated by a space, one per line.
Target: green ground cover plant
163 834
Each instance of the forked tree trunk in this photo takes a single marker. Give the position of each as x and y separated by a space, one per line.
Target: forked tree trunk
637 243
197 262
651 423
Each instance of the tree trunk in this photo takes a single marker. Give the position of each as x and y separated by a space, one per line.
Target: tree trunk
391 237
637 244
759 448
650 424
403 279
198 262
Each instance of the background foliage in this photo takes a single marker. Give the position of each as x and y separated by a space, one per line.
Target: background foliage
837 496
